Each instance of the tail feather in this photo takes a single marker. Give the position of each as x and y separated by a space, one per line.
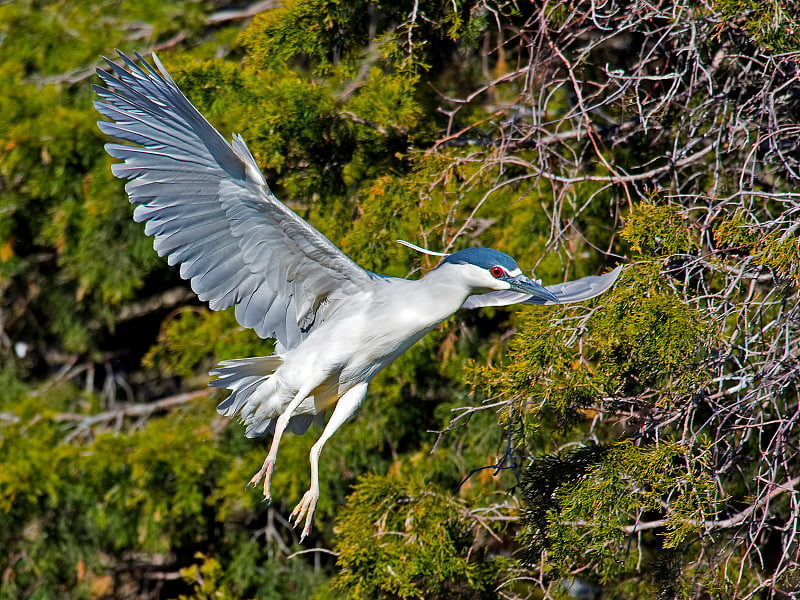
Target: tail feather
240 394
255 394
255 365
243 376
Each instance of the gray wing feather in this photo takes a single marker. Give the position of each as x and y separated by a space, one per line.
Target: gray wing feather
569 291
210 209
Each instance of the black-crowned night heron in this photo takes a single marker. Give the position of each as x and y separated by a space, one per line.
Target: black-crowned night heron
335 324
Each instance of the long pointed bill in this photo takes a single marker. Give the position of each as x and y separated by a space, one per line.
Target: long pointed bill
525 285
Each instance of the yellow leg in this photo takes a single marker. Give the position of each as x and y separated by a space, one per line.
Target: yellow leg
345 407
280 426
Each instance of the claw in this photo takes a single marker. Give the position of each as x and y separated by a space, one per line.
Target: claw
306 530
305 507
255 478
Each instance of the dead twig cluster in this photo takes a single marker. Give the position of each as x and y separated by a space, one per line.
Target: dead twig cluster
618 103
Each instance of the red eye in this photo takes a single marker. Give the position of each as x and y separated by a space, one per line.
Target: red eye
496 271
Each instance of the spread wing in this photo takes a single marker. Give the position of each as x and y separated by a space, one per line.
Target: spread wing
210 210
569 291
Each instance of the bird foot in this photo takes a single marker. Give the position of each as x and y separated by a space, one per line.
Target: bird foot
305 507
265 472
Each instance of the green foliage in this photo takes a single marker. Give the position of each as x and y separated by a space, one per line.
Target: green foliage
652 229
541 482
389 212
210 580
421 546
651 341
388 101
191 337
772 25
735 231
778 249
157 490
46 33
315 30
12 384
640 340
579 504
204 579
331 34
70 251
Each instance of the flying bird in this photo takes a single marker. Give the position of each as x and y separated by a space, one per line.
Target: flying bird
336 325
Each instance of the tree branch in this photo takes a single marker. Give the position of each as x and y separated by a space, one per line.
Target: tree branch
736 519
131 410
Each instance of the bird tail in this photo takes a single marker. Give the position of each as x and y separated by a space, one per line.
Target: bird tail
255 394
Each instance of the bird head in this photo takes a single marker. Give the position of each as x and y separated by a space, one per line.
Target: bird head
490 270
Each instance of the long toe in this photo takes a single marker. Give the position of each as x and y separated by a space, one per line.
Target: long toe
305 507
255 479
265 473
268 467
309 520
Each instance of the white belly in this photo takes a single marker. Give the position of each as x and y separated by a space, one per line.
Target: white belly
359 342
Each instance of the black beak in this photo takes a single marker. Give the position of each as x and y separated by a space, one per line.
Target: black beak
524 285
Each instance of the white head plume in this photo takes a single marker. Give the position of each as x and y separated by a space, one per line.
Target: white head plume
423 250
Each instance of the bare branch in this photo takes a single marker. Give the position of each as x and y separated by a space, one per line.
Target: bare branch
131 410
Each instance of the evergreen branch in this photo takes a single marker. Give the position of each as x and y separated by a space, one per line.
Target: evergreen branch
74 76
167 299
738 518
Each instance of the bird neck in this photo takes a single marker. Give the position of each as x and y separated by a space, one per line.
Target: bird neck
445 288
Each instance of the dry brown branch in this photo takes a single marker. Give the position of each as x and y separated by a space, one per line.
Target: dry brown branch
224 16
349 116
79 74
144 409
